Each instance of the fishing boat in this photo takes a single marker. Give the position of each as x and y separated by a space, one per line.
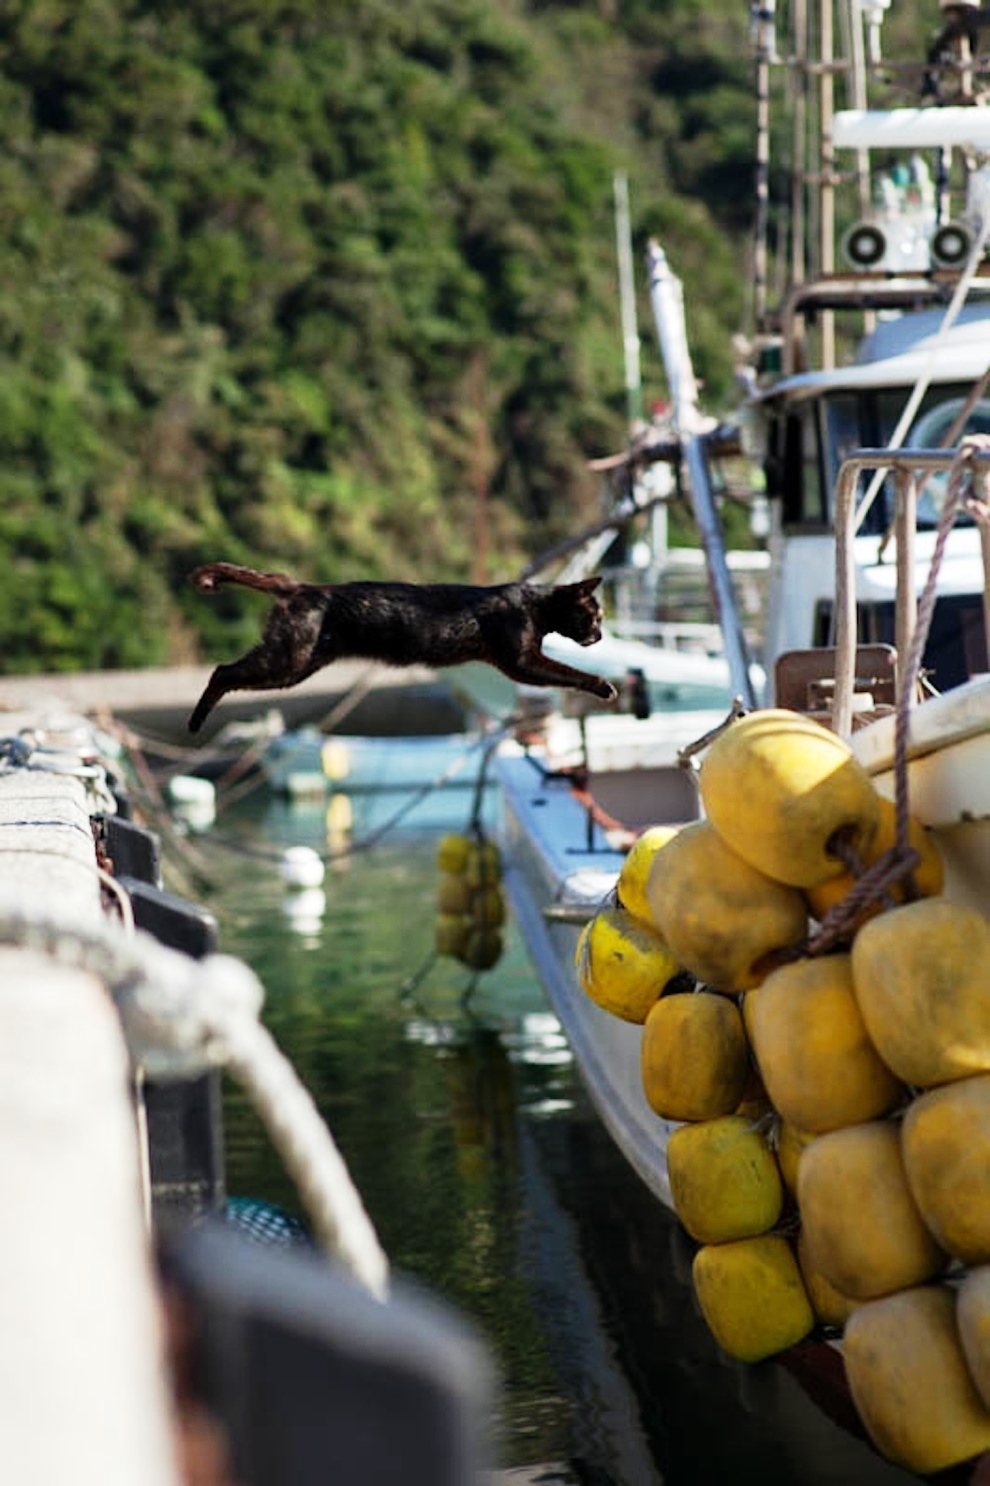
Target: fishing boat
866 405
307 761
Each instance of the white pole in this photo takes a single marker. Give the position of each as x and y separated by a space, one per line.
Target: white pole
627 301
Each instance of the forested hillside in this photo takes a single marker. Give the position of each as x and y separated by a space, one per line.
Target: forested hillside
297 282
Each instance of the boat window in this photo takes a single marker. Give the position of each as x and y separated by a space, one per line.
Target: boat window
803 489
851 422
929 432
868 419
939 409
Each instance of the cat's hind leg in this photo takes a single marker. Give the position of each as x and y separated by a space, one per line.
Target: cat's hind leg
258 670
216 689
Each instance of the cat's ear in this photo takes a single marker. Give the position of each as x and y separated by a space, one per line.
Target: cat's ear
587 585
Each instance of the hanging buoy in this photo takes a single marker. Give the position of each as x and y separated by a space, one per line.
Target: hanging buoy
752 1296
909 1380
470 902
335 760
779 788
301 867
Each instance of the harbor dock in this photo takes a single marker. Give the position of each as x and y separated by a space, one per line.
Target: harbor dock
157 702
84 1392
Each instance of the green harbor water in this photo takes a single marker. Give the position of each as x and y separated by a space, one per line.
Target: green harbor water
486 1174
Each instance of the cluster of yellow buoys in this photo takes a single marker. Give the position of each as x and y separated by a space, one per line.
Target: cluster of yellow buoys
470 903
844 1099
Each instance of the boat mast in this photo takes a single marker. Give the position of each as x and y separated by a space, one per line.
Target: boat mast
691 428
627 302
826 222
764 25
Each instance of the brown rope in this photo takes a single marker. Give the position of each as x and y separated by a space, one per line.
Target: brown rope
625 834
874 886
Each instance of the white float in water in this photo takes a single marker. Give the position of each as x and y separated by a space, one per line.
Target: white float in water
193 801
304 910
301 867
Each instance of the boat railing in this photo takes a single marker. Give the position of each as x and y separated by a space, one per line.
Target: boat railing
689 636
910 467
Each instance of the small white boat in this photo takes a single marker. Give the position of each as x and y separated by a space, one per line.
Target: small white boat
306 761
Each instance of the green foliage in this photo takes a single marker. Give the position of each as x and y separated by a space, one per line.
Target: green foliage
290 281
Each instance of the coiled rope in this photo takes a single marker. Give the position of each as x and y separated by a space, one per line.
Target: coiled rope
181 1017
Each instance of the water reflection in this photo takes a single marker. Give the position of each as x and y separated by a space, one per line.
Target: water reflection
489 1179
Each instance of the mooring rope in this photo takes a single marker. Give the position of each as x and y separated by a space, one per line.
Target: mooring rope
182 1017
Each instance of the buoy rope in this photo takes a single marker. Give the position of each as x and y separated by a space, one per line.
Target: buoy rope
970 485
181 1017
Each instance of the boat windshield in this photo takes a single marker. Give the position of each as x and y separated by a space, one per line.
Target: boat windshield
868 418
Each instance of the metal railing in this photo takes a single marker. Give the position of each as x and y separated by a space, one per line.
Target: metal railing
910 468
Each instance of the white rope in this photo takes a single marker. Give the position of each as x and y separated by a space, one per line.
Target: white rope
181 1017
25 751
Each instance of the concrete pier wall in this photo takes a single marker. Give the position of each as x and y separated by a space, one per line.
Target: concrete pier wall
83 1392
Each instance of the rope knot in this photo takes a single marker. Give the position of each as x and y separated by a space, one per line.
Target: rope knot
873 886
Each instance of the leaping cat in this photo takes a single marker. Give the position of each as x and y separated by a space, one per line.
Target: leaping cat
311 625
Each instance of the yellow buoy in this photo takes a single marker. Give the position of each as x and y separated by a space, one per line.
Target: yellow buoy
623 965
829 1304
487 906
752 1296
779 788
790 1143
909 1381
973 1320
453 851
483 948
863 1228
453 893
820 1068
451 934
335 760
724 920
945 1138
723 1179
929 876
631 886
695 1060
920 975
483 867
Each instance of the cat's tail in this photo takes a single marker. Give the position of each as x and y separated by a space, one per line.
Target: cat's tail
212 575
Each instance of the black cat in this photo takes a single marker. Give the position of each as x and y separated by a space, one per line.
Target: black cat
404 624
